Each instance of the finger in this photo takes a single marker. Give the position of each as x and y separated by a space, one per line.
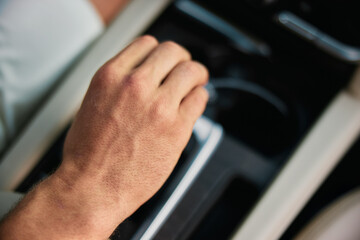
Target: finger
193 105
161 61
183 78
135 53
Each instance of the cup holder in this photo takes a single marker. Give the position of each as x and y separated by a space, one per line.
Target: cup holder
253 115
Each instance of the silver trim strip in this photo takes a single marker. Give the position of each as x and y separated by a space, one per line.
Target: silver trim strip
61 107
325 42
241 39
207 147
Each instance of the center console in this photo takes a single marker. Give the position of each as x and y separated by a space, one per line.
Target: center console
271 77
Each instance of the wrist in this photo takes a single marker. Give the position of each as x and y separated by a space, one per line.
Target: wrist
76 210
57 210
101 185
81 195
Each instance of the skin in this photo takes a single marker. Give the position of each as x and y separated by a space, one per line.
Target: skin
135 121
108 9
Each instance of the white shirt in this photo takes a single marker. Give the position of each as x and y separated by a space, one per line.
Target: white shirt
39 39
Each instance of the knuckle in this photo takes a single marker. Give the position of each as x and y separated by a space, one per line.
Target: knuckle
203 95
106 75
176 48
204 71
133 84
109 69
159 112
195 70
173 46
198 99
148 40
191 68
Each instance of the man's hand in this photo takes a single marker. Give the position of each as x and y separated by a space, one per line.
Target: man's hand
136 119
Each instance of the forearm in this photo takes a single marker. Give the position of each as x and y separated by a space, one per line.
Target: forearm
55 209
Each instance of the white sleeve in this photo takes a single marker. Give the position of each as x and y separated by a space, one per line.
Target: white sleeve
39 39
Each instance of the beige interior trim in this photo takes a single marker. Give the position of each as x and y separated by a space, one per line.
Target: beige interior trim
24 154
339 220
315 158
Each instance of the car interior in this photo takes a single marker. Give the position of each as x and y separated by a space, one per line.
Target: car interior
277 149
